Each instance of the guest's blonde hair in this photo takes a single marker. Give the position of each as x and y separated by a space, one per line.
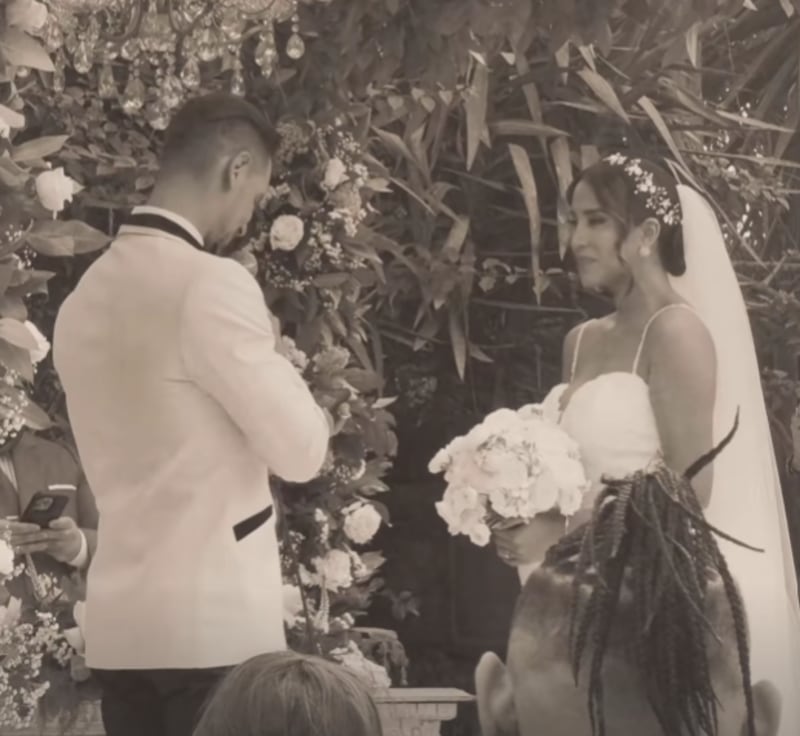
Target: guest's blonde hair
290 694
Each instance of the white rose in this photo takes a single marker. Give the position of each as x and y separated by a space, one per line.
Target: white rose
6 558
27 15
42 344
361 523
54 188
335 173
286 232
292 604
335 569
480 535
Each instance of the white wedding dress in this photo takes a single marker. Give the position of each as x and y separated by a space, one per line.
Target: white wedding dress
612 420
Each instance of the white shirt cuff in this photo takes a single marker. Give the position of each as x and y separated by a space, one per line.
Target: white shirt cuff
82 557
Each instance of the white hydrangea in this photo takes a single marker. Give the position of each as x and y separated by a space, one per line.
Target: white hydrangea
361 522
334 571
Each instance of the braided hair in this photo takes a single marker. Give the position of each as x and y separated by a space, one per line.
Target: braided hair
647 576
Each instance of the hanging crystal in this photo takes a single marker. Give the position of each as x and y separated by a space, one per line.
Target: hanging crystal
52 35
130 49
106 84
83 56
157 115
266 53
171 91
59 81
190 74
295 46
237 80
133 97
208 45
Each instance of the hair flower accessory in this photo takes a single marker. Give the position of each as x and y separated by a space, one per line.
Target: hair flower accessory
657 198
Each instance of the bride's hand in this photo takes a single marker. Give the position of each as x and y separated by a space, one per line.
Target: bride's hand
527 543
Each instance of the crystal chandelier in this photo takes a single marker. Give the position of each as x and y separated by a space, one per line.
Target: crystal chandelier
166 46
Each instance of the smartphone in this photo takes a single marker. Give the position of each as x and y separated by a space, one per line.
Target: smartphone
44 507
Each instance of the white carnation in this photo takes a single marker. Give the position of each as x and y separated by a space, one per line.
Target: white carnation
334 570
286 232
361 523
6 558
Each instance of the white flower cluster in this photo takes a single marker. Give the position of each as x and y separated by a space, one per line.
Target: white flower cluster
13 402
371 674
657 197
293 354
361 522
24 647
513 465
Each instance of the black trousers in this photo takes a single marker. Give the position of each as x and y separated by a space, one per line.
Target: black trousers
155 702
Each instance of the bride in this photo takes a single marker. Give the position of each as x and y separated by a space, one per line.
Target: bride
663 377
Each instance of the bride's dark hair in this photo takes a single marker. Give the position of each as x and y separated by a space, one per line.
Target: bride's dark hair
645 580
616 191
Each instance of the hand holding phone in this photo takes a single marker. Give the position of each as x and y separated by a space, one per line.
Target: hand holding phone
44 507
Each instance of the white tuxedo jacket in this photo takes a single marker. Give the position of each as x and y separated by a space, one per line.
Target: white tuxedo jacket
180 407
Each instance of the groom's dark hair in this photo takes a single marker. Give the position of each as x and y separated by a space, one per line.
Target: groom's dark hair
644 583
208 126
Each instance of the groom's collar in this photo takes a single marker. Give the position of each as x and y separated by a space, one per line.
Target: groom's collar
157 218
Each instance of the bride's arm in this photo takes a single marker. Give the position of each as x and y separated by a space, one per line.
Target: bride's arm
681 373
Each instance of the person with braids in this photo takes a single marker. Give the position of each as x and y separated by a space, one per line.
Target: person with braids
661 378
635 615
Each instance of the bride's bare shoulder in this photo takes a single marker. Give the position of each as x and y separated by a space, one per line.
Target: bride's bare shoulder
682 333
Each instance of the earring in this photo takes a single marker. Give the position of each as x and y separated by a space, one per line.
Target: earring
645 251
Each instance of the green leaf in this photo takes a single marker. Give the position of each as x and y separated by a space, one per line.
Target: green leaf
524 127
531 196
39 148
458 339
65 238
15 333
20 49
36 418
693 42
11 118
11 175
16 359
661 126
455 239
559 150
604 91
475 104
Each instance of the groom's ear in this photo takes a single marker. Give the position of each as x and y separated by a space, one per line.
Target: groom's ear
495 692
767 705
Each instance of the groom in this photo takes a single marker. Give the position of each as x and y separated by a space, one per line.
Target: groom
181 408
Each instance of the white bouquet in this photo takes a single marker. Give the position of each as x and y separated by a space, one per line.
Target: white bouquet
509 468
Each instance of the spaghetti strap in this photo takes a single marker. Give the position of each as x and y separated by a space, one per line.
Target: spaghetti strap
652 319
574 365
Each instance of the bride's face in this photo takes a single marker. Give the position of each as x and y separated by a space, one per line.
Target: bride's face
596 243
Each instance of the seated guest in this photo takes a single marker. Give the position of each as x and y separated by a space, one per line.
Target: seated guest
632 625
31 463
290 694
